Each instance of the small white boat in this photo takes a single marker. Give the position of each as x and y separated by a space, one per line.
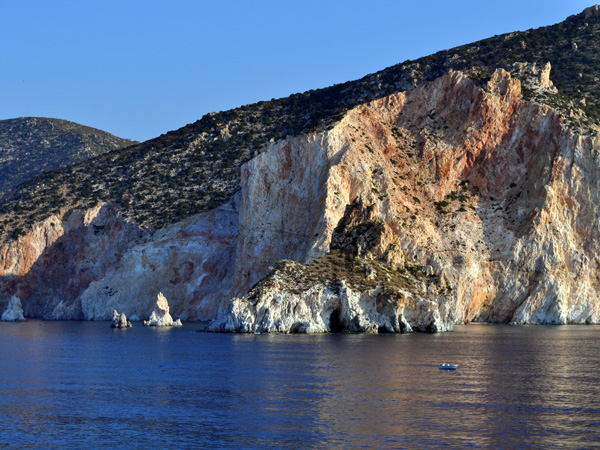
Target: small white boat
447 366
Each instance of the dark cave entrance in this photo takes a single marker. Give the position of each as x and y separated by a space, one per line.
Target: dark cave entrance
335 322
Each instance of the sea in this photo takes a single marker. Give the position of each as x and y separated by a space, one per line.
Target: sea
83 385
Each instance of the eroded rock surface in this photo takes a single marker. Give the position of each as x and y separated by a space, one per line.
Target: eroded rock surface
337 293
491 198
484 190
14 311
120 320
160 317
86 264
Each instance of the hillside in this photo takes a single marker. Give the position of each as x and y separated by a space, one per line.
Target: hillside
196 168
446 203
460 187
32 145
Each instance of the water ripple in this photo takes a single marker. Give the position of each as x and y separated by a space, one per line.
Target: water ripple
81 385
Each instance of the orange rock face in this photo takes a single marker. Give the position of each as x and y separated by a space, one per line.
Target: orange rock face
53 264
492 194
488 190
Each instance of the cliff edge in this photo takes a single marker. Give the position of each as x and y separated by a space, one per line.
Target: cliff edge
450 202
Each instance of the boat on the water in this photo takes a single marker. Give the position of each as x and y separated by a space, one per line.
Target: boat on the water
447 366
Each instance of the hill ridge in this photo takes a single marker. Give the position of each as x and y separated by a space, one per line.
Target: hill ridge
32 145
196 168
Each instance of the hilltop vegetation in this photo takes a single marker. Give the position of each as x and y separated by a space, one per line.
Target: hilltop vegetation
32 145
196 168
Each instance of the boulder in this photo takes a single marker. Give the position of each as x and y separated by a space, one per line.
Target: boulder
14 310
160 317
120 320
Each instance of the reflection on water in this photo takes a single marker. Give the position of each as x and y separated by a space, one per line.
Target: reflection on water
78 384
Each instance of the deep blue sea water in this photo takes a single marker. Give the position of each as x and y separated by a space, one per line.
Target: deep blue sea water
69 385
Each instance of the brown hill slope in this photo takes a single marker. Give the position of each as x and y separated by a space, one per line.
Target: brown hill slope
32 145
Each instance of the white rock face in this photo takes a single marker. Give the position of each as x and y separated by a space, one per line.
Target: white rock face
458 180
296 298
534 77
285 206
190 262
119 320
336 308
160 316
54 263
14 311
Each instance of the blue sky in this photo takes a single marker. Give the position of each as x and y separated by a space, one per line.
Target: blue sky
141 68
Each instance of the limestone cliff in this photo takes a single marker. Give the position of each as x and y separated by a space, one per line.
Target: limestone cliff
486 202
50 267
85 264
493 194
338 292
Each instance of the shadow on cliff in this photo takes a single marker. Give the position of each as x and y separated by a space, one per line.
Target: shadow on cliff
511 182
51 287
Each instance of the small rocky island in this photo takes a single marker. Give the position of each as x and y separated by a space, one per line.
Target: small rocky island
160 316
120 320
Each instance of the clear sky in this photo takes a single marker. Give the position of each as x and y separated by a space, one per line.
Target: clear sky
138 69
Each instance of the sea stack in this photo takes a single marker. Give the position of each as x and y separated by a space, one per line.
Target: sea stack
160 316
14 311
120 320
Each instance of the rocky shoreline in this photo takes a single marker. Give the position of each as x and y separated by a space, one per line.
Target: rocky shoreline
444 204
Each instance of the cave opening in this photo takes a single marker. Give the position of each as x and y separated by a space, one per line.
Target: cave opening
335 322
384 329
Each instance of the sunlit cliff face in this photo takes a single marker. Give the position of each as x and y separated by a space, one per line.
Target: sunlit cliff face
491 196
485 191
